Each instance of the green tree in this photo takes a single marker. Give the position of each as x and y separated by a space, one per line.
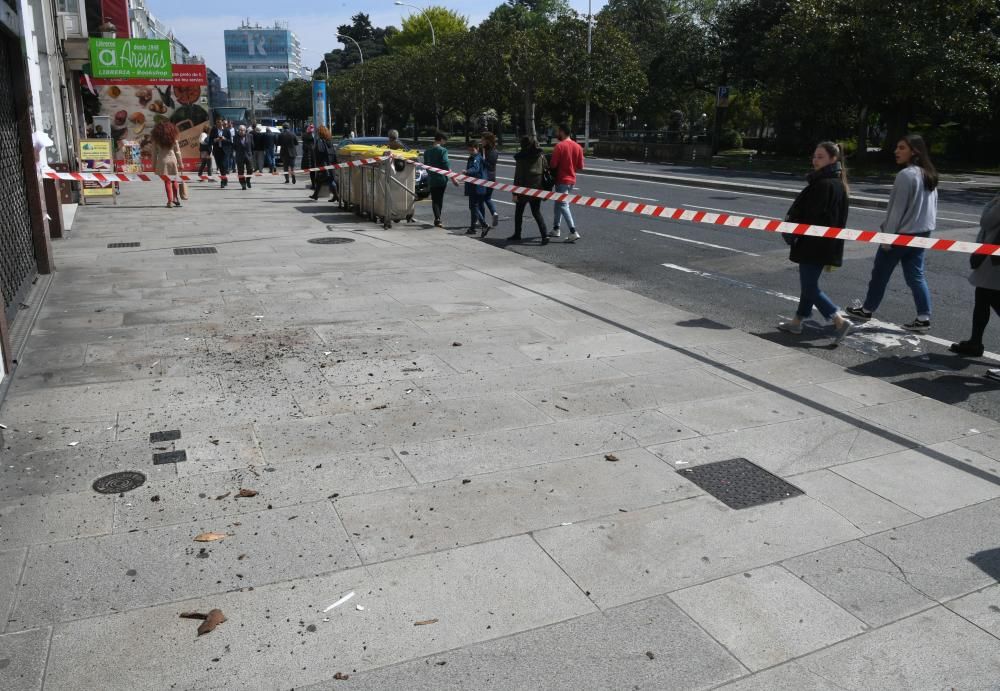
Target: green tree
416 28
293 99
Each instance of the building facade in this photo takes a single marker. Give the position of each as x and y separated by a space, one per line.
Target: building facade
258 60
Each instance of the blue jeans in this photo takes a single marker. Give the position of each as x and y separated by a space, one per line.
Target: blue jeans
912 259
812 294
562 209
476 210
488 200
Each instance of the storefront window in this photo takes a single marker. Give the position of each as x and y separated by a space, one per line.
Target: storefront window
68 6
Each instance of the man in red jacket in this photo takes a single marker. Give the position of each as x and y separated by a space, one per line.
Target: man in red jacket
567 158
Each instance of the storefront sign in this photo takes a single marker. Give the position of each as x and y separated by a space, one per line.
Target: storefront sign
130 58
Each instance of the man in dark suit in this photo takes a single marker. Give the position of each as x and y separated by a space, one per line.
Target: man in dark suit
289 150
222 147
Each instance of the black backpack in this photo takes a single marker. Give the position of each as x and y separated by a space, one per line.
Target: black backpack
548 180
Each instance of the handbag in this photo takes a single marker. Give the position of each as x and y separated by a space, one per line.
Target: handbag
548 180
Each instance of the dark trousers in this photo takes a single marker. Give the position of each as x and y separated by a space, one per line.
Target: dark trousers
536 210
288 163
220 163
244 168
437 201
986 299
205 167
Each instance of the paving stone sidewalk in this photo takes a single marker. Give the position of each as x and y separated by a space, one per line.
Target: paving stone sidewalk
492 454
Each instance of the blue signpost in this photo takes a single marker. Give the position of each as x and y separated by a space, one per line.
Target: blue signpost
319 103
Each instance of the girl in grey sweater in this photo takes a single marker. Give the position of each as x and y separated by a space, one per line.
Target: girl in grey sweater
912 211
986 278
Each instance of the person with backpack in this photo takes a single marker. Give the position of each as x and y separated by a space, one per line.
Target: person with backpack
912 211
289 151
529 169
566 160
985 277
824 202
475 167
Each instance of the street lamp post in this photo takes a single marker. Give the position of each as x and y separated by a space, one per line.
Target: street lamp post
586 117
253 110
437 122
362 54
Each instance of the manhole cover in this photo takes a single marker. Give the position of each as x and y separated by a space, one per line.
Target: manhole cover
195 250
330 241
116 483
739 484
113 245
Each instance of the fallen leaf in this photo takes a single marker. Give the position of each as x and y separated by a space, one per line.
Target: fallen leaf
214 441
215 617
425 622
247 493
340 676
456 344
155 497
611 457
209 537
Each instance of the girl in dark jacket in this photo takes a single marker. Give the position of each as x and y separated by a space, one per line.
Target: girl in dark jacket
308 141
488 145
475 167
324 154
824 202
529 166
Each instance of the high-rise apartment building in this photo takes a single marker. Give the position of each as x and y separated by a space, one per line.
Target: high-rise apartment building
258 60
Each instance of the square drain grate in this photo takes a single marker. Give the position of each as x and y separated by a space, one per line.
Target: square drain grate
115 245
169 457
165 435
195 250
740 484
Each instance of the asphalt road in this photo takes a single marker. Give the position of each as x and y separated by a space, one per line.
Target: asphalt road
743 279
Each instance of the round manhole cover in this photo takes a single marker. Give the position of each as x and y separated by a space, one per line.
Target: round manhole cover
330 241
115 483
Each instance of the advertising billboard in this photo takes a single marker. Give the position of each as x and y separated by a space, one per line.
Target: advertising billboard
135 106
319 103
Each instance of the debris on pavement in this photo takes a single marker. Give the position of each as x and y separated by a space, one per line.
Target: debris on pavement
339 602
360 608
456 344
246 493
340 676
650 655
73 443
611 457
222 496
209 537
425 622
208 621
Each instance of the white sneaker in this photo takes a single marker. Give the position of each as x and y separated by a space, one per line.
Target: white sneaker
554 233
845 328
573 237
790 327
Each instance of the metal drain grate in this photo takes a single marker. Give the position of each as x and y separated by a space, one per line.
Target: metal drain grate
195 250
169 457
330 241
115 245
165 435
116 483
740 484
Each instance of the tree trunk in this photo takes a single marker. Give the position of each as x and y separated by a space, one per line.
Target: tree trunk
861 153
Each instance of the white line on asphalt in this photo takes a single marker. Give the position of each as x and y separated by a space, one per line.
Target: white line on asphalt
699 242
953 220
629 196
732 213
859 329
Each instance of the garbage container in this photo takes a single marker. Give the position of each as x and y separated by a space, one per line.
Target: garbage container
384 191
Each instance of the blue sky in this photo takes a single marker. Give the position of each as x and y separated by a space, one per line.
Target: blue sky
199 25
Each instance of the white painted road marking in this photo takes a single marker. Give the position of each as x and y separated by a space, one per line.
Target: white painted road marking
731 213
882 328
628 196
699 242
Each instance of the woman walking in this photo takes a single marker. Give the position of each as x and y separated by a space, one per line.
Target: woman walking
529 166
824 202
488 143
167 159
986 278
475 167
912 211
324 154
205 152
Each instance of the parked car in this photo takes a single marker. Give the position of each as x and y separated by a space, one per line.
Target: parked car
376 146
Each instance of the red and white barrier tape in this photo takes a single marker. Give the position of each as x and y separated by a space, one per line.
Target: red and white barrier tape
748 222
153 177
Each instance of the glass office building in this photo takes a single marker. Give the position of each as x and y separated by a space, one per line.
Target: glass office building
258 60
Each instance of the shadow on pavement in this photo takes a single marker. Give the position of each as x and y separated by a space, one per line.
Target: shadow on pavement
988 561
